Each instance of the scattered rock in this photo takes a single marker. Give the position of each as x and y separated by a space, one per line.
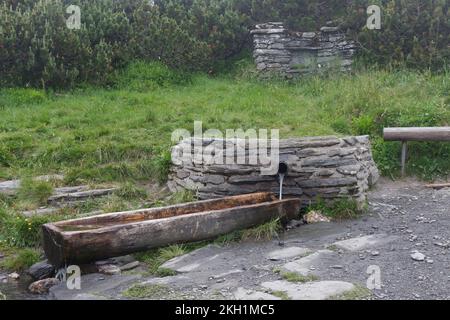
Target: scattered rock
417 256
294 224
375 253
429 261
242 294
14 275
442 244
41 270
109 269
88 296
194 260
103 262
81 195
361 243
287 253
317 290
305 265
91 286
122 260
42 286
130 266
40 212
314 217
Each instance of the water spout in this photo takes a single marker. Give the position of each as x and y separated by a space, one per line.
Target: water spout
282 170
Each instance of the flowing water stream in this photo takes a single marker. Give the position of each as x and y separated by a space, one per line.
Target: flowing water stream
281 177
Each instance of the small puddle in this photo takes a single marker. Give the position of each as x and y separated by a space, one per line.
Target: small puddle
18 289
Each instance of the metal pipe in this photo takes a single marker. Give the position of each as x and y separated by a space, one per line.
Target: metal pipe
282 170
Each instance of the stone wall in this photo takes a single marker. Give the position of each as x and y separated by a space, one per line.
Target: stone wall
280 50
325 167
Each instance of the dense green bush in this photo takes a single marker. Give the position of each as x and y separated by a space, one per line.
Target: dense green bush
37 49
415 33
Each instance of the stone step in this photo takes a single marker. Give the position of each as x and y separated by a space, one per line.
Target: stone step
364 242
243 294
312 263
318 290
80 196
287 253
11 187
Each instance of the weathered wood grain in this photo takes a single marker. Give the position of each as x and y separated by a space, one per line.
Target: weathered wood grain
417 134
93 238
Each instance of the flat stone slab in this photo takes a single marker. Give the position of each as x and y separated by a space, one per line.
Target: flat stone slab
10 187
80 195
287 253
87 296
243 294
318 290
365 242
304 266
193 260
94 286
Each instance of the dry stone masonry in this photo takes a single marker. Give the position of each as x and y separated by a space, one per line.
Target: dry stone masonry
277 49
325 167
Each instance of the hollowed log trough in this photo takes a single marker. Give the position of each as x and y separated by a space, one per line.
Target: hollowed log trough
89 239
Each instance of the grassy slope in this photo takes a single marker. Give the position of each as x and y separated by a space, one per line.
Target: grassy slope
109 135
98 135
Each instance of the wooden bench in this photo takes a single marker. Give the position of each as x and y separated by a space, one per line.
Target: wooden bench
415 134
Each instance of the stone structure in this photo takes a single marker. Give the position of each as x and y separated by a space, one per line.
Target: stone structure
280 50
325 167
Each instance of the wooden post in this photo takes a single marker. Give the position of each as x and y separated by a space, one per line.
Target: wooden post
404 155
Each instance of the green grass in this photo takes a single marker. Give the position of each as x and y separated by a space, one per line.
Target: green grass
156 257
141 291
18 231
266 231
21 260
340 209
124 134
130 191
295 277
33 193
280 294
357 293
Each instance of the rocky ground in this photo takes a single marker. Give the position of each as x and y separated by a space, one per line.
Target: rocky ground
405 236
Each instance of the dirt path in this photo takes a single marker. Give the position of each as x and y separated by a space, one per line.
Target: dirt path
404 219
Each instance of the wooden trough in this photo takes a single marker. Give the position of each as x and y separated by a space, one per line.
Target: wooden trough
89 239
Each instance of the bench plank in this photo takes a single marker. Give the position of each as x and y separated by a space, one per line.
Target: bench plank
417 134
